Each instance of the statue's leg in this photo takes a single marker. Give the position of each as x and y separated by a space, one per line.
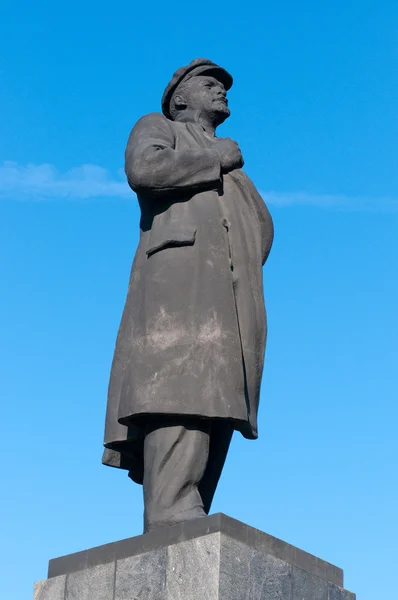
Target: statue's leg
175 459
220 439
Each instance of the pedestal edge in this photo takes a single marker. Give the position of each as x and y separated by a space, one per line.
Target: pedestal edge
168 536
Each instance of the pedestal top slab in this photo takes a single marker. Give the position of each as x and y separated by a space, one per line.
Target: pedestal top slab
189 530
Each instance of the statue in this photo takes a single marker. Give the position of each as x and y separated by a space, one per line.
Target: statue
189 354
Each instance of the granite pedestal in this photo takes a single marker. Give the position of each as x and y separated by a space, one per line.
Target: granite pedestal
214 558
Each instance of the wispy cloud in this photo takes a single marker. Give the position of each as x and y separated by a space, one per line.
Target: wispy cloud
333 201
46 182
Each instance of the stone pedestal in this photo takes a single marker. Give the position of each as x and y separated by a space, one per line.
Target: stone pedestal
215 558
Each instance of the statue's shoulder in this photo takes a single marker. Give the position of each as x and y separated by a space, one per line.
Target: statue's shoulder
154 119
153 125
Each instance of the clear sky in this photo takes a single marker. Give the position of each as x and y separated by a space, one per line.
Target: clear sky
315 111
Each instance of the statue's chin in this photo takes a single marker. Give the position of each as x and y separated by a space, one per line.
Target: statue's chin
221 115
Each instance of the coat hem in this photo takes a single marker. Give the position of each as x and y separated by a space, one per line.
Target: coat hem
126 454
137 421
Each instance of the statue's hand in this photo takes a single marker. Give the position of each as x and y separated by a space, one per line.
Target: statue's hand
230 154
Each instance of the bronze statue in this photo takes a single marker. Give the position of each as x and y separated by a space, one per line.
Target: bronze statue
189 354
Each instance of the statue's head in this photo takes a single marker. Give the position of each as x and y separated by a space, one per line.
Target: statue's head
199 88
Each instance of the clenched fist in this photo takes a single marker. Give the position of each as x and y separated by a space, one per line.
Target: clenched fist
229 153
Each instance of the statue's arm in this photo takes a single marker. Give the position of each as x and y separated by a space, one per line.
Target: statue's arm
265 221
267 230
153 165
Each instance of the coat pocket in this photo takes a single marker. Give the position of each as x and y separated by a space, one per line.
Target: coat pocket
169 236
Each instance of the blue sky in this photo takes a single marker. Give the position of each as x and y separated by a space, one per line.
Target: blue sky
315 111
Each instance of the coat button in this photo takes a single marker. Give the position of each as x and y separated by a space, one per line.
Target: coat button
225 223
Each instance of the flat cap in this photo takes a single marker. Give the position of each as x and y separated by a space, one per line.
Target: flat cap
199 66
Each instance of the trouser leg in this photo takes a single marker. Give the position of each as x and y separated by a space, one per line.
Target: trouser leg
220 439
183 462
176 453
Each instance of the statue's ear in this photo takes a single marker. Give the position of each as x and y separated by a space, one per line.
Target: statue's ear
179 102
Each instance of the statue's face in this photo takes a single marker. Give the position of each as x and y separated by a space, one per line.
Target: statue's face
207 95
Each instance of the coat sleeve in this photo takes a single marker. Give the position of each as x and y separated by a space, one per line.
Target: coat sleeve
267 232
265 221
153 165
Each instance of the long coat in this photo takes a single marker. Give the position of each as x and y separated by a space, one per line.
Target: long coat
193 331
